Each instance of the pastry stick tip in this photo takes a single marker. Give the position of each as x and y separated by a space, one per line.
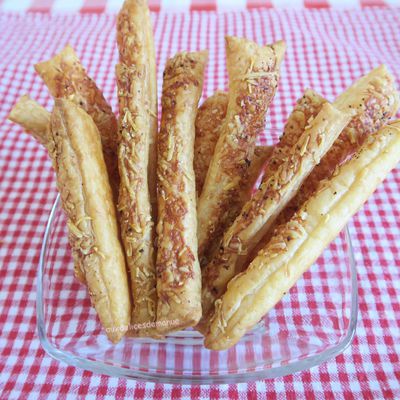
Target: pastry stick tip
67 53
18 106
280 49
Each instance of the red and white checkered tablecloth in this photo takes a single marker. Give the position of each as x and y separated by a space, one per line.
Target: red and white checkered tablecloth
327 50
100 6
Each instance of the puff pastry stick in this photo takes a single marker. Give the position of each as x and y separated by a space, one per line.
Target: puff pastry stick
86 197
260 158
134 200
262 155
228 262
298 243
262 209
253 77
210 116
34 118
178 270
136 47
372 100
65 77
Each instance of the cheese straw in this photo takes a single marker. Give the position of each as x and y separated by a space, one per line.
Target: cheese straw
135 161
372 101
66 78
253 77
136 46
261 210
86 197
298 243
34 118
178 269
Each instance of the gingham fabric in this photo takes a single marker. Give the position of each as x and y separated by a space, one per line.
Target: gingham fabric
99 6
327 50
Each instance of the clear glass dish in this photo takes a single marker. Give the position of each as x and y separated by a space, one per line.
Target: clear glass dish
315 321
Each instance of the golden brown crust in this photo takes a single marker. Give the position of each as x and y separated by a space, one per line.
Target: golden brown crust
277 188
134 201
253 78
299 242
32 117
262 155
178 270
306 109
86 197
209 119
66 78
136 47
36 120
372 100
215 278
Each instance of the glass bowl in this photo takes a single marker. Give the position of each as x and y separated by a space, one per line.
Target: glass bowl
315 321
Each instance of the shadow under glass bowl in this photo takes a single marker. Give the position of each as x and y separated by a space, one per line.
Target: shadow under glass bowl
315 321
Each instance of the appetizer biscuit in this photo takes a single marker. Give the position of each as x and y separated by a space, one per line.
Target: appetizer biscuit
86 198
34 118
372 101
65 77
178 270
261 210
297 244
210 116
253 77
134 200
136 47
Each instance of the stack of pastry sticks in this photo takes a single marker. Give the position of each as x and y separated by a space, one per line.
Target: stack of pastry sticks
165 228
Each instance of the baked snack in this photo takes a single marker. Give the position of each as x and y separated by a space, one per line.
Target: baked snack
134 200
178 270
65 77
136 46
307 108
276 189
262 155
86 198
210 116
372 101
253 77
34 118
298 243
136 139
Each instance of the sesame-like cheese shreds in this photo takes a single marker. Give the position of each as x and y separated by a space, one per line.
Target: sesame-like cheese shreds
178 269
283 260
245 119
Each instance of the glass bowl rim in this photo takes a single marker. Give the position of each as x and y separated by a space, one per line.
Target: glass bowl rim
120 372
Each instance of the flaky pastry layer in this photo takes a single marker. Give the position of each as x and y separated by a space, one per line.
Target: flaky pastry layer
137 227
34 118
136 47
253 77
87 200
66 78
178 270
210 116
299 242
276 190
372 101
